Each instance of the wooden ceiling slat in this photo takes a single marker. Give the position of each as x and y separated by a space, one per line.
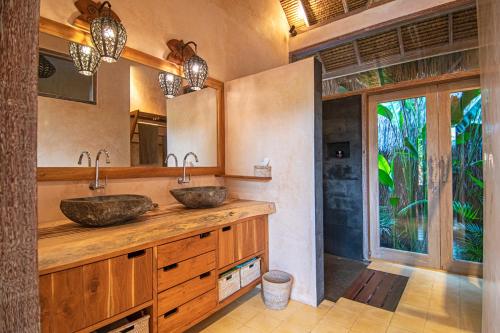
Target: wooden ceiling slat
428 33
379 46
465 24
356 4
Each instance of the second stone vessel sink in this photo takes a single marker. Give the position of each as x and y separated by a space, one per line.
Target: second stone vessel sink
100 211
201 197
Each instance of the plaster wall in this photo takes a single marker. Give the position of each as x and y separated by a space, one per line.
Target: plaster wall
489 53
236 38
192 126
271 114
145 92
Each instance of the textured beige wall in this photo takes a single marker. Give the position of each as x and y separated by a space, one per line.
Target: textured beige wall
489 52
364 20
65 128
192 126
145 91
236 38
50 194
271 114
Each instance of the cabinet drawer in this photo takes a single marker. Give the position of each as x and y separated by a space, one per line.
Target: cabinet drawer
183 249
176 319
182 293
177 273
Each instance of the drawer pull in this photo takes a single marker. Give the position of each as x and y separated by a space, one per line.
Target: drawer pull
136 254
226 228
171 312
128 329
204 275
205 235
170 267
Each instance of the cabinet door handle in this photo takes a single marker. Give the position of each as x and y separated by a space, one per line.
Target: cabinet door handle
204 275
229 277
171 312
205 235
136 254
169 267
226 228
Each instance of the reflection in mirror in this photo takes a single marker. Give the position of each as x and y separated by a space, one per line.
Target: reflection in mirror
130 117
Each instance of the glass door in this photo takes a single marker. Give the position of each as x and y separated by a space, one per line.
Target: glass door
461 175
404 177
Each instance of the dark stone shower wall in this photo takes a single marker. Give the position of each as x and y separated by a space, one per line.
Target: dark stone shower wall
342 178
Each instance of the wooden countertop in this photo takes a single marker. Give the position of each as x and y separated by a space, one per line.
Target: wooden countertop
64 244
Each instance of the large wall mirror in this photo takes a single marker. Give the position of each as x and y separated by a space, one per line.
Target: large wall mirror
122 109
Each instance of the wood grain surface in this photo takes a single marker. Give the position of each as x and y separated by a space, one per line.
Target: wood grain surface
19 310
65 244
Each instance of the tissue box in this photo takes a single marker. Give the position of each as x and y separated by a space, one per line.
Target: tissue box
262 171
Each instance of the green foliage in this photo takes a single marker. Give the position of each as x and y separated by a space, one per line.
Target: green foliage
471 242
384 111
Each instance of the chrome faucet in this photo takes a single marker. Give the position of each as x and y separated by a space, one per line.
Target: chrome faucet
184 179
89 159
94 185
175 159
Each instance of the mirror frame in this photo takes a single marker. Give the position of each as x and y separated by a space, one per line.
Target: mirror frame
70 33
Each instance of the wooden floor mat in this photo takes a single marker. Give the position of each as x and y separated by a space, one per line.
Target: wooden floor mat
376 288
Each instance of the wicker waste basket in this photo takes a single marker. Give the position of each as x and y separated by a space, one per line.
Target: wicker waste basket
276 289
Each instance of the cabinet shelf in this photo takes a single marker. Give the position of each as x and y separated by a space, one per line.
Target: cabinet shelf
234 264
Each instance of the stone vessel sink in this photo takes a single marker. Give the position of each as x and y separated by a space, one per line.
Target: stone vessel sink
100 211
201 197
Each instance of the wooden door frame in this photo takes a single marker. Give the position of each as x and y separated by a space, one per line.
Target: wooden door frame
432 259
446 211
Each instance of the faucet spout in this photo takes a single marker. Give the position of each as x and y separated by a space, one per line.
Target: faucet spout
184 179
174 157
89 159
95 185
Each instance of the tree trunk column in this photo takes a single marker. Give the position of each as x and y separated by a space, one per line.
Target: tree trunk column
19 309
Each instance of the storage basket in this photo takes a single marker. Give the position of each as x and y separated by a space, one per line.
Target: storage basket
276 289
229 283
140 325
249 271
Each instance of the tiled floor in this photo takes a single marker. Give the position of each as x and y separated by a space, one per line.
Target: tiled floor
433 302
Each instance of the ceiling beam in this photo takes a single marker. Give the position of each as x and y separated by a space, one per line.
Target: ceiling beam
356 52
401 42
450 28
399 59
346 7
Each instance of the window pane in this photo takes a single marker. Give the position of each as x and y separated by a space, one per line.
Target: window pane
467 175
402 168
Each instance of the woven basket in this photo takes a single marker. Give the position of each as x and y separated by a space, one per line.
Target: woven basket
140 325
276 289
229 283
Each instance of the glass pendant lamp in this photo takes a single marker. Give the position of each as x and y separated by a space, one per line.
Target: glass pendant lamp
108 35
170 84
195 69
85 58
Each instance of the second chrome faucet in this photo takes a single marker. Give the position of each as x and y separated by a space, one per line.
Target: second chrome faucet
184 179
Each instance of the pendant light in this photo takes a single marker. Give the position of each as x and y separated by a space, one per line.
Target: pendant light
195 69
45 68
85 58
170 84
109 35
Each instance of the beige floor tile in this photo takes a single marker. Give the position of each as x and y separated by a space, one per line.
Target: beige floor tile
307 318
393 329
365 325
413 322
348 304
416 300
246 329
338 316
224 325
378 315
436 327
243 313
286 327
263 323
327 327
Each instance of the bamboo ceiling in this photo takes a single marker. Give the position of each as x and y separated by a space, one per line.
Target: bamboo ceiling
441 33
319 12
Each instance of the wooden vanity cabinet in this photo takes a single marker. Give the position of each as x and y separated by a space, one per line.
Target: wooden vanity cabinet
175 281
79 297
